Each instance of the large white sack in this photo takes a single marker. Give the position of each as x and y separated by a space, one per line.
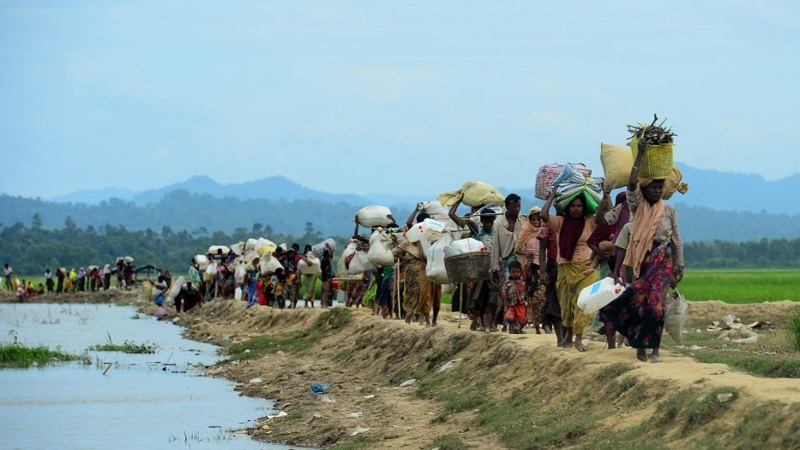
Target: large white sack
269 264
468 245
435 268
319 248
312 267
240 272
176 289
215 248
360 263
380 249
350 249
264 246
374 216
201 261
238 248
250 245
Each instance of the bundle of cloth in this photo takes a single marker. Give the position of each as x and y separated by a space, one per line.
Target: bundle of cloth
571 183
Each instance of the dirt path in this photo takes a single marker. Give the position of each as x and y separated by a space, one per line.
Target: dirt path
371 356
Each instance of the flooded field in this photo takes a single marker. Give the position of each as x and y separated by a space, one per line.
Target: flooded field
117 400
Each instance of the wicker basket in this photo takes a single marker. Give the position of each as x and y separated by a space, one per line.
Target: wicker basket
656 162
468 267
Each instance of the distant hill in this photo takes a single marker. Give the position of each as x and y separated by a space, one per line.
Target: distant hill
724 191
721 191
201 213
274 188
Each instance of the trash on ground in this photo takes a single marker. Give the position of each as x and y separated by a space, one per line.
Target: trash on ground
355 414
448 364
722 398
256 381
275 416
319 388
369 396
359 430
326 399
408 382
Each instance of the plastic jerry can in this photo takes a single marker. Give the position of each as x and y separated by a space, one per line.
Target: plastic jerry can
598 295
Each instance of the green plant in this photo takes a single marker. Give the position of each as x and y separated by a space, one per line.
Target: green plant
15 354
125 347
794 326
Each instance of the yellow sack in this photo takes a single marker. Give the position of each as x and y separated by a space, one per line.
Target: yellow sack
673 184
472 193
657 161
617 163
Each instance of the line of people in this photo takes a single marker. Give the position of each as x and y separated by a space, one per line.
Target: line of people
540 262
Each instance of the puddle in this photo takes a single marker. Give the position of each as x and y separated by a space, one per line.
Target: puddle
159 400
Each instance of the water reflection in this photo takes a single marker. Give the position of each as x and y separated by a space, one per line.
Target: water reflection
159 400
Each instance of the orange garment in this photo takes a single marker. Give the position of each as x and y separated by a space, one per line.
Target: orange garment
645 221
582 250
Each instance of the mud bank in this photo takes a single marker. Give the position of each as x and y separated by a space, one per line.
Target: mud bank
499 391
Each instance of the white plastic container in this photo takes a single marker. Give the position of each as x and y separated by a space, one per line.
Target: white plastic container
432 229
237 294
598 295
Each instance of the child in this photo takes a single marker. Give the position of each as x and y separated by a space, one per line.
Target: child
278 283
514 293
604 249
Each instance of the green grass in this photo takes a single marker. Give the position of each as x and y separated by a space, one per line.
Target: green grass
449 442
741 286
15 354
774 356
300 341
794 328
125 347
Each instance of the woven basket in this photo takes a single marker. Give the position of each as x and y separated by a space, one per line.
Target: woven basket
656 162
468 267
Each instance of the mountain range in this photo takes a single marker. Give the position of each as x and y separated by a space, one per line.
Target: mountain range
718 206
720 191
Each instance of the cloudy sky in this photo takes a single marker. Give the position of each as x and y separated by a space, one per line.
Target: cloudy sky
397 96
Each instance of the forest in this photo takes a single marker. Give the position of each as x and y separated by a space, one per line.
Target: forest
32 249
181 210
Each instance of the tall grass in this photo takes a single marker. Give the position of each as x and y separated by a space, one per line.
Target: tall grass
15 354
125 347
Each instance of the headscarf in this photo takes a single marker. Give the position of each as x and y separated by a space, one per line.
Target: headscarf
571 230
526 233
645 222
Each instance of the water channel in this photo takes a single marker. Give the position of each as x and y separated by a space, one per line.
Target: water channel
159 400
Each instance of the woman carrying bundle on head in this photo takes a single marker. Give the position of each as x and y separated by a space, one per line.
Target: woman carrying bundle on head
655 253
572 231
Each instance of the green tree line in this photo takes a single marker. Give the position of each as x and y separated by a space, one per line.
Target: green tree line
32 249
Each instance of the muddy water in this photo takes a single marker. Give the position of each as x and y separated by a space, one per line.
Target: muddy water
160 400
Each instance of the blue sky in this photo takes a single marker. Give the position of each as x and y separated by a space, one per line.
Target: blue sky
405 97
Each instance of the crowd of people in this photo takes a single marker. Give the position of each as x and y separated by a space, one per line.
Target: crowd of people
539 263
89 279
281 288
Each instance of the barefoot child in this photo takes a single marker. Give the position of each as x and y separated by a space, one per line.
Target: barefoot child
514 294
604 249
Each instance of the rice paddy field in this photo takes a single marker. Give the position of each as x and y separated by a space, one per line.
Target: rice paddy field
741 286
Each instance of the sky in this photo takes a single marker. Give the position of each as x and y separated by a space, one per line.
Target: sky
405 97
